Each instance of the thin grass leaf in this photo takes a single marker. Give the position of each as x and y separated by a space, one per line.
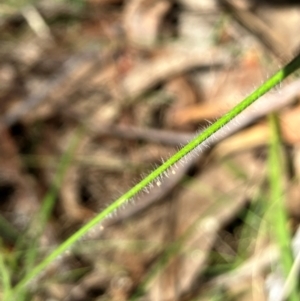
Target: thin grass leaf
154 178
278 214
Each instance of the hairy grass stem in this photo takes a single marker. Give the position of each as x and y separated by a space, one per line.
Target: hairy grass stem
156 176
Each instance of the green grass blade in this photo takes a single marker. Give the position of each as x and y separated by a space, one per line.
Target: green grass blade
39 222
278 214
5 277
155 176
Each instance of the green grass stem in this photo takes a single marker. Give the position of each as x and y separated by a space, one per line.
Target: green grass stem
155 176
278 214
5 277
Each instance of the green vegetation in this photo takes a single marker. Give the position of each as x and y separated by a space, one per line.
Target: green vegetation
156 176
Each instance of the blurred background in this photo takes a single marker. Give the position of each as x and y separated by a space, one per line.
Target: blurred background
131 82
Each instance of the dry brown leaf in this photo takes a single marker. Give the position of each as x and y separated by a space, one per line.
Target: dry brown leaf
202 215
171 62
70 198
259 135
290 125
236 84
203 5
142 20
184 93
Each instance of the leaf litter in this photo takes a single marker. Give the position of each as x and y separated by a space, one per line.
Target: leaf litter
141 77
